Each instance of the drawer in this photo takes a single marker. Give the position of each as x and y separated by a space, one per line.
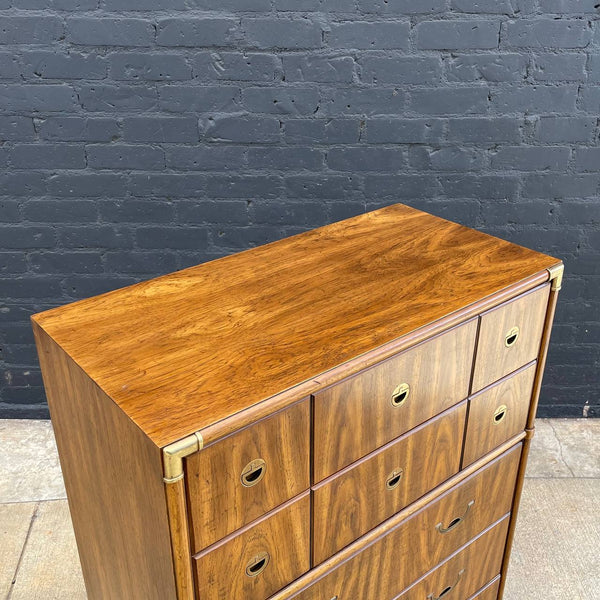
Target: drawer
357 499
259 560
368 410
489 592
387 566
467 572
497 413
241 477
510 336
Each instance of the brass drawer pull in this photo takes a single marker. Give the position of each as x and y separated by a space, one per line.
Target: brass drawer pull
400 394
500 414
511 337
393 479
455 522
253 472
447 590
257 564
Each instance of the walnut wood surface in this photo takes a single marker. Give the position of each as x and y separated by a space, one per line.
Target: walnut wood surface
220 429
354 501
466 572
114 480
356 416
386 567
483 432
197 346
375 535
284 535
217 500
494 359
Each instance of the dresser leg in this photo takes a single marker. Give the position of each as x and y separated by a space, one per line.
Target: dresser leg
515 510
173 456
180 539
556 281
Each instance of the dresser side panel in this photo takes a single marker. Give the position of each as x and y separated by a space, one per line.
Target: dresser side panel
114 481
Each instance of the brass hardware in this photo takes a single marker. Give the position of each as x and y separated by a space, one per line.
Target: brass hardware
556 276
456 521
257 564
393 479
447 590
400 394
510 339
500 414
174 453
253 472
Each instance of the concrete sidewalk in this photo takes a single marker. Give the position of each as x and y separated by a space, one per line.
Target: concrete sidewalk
556 553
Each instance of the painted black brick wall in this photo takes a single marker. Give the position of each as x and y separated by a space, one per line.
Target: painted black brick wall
142 136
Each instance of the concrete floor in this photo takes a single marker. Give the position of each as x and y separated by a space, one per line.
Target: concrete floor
556 552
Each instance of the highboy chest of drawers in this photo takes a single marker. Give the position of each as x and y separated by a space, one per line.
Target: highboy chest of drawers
340 415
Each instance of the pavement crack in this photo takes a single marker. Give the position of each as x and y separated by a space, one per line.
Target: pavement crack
560 449
16 573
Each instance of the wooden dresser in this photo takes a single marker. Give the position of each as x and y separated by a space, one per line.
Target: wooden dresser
341 415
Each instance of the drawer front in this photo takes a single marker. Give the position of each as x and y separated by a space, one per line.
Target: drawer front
359 498
387 567
241 477
368 410
510 336
489 592
261 559
498 413
467 571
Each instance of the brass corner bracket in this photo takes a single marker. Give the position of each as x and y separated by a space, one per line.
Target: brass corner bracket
556 276
174 453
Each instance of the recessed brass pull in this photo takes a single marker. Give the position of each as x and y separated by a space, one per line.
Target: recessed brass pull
510 339
455 522
257 564
253 472
393 479
448 589
400 394
500 414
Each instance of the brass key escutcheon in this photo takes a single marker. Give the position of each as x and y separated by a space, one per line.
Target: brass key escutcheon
400 394
393 479
257 564
500 414
511 337
253 472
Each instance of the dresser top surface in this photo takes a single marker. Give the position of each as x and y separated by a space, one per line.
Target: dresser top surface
183 351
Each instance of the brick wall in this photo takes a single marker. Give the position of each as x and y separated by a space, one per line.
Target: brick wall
142 136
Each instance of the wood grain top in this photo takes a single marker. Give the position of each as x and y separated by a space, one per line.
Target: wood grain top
183 351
